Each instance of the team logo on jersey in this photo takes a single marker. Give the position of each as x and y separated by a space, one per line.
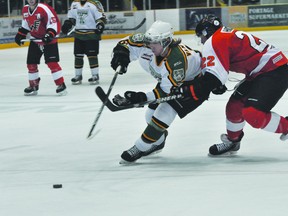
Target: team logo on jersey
25 15
178 75
82 14
35 25
137 37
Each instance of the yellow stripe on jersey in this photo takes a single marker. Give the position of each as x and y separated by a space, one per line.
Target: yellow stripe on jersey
170 77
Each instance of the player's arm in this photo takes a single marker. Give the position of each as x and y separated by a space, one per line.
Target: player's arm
199 89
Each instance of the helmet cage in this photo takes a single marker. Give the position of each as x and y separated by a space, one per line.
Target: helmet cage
164 39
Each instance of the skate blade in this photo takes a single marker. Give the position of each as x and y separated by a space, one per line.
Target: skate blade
124 162
227 154
62 93
31 94
77 83
94 83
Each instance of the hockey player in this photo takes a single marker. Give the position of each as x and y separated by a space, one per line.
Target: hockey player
171 63
89 20
266 80
41 21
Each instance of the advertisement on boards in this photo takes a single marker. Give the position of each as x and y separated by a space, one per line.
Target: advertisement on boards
271 15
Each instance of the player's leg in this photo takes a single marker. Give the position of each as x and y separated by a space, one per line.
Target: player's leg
33 59
153 138
92 51
51 54
79 50
234 122
266 92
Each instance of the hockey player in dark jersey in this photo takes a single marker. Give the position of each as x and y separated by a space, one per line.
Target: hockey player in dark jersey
171 63
41 21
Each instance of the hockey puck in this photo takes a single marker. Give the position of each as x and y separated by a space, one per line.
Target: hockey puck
56 186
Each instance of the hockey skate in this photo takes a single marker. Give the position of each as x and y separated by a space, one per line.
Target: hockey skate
284 136
94 80
226 148
133 154
31 90
76 80
61 89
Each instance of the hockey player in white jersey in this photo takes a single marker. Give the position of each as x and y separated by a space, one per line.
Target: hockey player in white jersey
89 20
171 63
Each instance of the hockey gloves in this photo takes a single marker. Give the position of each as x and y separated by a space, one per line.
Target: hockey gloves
120 58
20 36
130 97
67 26
49 36
199 89
219 90
99 27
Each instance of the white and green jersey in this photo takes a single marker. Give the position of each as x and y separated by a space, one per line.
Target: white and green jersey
86 15
181 64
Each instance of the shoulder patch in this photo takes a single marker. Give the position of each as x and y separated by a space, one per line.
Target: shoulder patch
137 38
178 75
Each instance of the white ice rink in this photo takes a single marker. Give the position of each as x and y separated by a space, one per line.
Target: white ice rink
43 142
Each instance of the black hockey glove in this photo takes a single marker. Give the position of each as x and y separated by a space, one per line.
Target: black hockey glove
20 36
120 57
67 26
130 97
49 36
199 89
219 90
99 27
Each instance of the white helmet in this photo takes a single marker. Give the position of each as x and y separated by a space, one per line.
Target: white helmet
159 32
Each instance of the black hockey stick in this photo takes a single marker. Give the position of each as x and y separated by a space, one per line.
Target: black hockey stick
40 40
118 29
114 108
105 100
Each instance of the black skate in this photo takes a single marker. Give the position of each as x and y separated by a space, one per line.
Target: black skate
134 153
31 90
94 80
226 148
76 80
61 89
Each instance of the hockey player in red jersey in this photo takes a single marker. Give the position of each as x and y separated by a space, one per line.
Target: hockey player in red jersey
266 80
41 21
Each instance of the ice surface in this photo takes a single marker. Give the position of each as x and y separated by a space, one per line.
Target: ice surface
43 142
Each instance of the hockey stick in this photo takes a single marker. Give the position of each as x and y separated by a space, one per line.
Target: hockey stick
112 107
105 100
118 29
40 40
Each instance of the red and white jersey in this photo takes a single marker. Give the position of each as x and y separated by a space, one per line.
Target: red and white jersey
43 17
231 50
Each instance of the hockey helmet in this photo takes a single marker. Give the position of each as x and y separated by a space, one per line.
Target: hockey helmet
208 25
159 32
